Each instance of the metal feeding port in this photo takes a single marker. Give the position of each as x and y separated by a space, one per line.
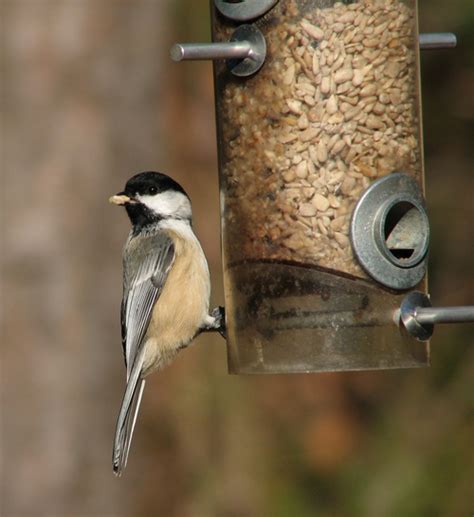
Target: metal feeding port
390 231
243 10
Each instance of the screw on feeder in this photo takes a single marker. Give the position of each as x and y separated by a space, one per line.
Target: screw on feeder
244 53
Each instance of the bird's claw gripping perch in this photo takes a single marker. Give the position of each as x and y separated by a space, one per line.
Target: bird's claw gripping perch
219 321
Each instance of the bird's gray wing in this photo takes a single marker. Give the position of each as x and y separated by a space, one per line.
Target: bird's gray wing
147 262
146 267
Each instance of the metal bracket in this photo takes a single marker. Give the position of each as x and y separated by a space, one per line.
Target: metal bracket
244 53
419 317
390 231
244 10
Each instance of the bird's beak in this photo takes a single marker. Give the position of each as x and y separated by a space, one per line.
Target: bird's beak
121 199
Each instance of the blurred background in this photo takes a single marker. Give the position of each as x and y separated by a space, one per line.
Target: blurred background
89 96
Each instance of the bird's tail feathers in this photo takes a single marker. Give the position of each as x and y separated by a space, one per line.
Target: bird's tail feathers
128 416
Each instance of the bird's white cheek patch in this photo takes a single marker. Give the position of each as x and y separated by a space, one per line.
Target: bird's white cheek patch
168 204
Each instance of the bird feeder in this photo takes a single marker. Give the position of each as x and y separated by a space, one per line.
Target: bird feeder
324 224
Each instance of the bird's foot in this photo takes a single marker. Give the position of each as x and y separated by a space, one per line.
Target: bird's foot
216 322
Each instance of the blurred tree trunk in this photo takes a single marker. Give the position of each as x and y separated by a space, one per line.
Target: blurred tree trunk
80 113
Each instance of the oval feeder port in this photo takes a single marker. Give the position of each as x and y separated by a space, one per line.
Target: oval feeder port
390 231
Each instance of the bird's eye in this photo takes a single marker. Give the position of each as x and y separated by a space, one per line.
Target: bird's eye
152 191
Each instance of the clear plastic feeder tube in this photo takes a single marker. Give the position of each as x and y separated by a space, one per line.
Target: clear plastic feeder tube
335 107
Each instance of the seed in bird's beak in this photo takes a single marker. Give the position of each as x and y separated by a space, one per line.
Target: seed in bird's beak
120 199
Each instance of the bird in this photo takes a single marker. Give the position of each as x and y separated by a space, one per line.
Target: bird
166 290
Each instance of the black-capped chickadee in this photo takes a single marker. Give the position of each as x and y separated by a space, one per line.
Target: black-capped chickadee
166 289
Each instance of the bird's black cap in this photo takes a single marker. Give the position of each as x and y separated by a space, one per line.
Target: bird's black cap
151 182
147 183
